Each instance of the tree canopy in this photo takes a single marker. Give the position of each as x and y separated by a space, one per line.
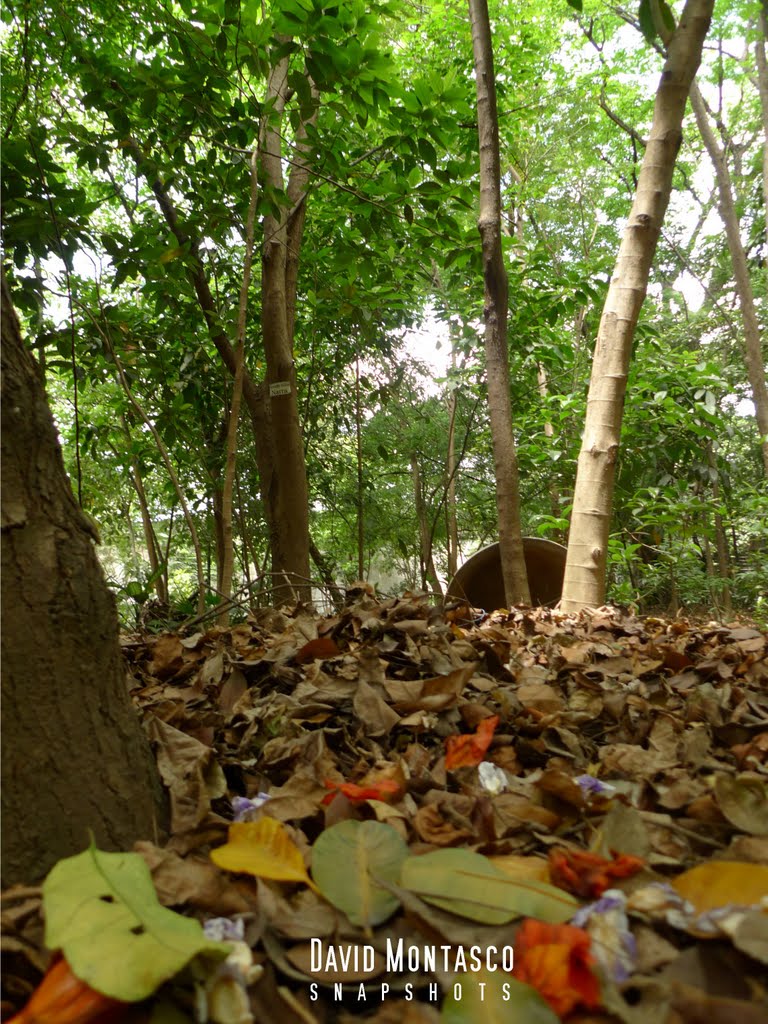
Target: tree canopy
129 135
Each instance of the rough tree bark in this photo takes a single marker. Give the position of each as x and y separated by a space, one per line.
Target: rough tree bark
496 305
753 346
584 583
74 755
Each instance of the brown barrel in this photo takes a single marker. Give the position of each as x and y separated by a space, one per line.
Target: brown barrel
479 580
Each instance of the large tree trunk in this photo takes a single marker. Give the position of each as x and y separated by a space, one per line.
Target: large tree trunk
74 755
753 346
584 583
496 306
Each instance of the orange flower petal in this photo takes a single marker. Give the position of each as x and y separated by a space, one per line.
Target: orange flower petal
357 794
469 750
588 875
556 960
62 998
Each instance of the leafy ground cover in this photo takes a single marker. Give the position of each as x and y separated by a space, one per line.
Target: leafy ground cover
587 791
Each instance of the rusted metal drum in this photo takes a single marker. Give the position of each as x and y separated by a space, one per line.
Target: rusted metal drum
479 580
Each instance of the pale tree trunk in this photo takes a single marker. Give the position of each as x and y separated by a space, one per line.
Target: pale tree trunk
76 764
584 583
429 573
496 305
288 493
549 433
753 348
762 86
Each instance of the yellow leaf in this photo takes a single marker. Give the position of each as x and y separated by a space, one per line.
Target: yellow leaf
262 848
171 254
520 868
723 882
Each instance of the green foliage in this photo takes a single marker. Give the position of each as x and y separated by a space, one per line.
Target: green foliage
101 100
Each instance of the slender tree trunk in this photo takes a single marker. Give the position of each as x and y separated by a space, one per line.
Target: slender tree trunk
452 528
429 573
280 254
584 583
150 538
360 493
219 543
326 575
254 394
170 470
753 347
248 557
230 466
762 86
74 755
496 306
549 433
721 542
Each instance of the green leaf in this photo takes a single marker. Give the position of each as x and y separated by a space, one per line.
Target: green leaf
502 999
347 860
645 16
102 911
667 15
467 884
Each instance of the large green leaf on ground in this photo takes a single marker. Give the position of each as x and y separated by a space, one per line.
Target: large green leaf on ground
102 911
348 859
467 884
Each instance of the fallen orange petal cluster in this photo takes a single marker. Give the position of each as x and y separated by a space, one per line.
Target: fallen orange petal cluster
383 790
470 750
61 998
555 959
588 875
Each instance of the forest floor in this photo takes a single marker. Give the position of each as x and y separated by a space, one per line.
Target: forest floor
450 783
